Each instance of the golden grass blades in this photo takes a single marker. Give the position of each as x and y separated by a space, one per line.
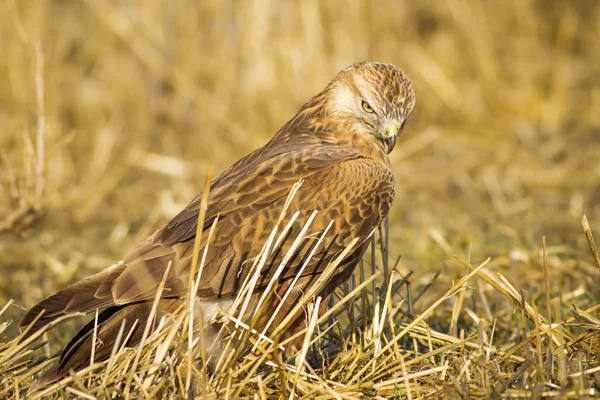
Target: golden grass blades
112 113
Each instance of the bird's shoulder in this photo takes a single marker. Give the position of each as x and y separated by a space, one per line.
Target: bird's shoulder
263 176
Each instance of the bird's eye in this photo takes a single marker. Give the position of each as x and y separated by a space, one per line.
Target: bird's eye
366 107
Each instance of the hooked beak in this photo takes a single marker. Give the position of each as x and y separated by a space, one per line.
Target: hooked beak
389 136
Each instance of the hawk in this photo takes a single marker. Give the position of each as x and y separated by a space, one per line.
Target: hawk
337 144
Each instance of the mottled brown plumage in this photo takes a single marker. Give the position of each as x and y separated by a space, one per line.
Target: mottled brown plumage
337 144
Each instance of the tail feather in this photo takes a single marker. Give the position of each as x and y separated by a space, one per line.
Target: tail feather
131 281
77 354
79 297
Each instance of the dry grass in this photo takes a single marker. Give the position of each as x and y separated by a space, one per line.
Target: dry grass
112 113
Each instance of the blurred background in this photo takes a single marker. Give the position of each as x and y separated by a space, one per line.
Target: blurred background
112 112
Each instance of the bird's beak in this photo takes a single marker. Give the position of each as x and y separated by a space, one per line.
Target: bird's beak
389 136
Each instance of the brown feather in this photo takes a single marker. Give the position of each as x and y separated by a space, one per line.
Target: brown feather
345 172
77 354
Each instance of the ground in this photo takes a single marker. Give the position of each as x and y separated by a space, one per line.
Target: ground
112 113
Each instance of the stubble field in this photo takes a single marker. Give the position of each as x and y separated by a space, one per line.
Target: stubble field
111 113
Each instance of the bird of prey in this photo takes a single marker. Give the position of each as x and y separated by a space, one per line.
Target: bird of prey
337 144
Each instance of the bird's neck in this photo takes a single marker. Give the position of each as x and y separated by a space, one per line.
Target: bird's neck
366 146
312 125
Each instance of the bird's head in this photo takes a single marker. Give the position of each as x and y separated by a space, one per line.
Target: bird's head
374 99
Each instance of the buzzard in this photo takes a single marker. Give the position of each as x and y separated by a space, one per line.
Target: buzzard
337 144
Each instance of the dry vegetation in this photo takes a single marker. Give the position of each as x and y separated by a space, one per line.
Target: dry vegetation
112 112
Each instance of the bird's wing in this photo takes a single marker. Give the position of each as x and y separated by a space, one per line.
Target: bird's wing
352 193
248 207
257 182
249 181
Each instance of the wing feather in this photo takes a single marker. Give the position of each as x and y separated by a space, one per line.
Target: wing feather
239 197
